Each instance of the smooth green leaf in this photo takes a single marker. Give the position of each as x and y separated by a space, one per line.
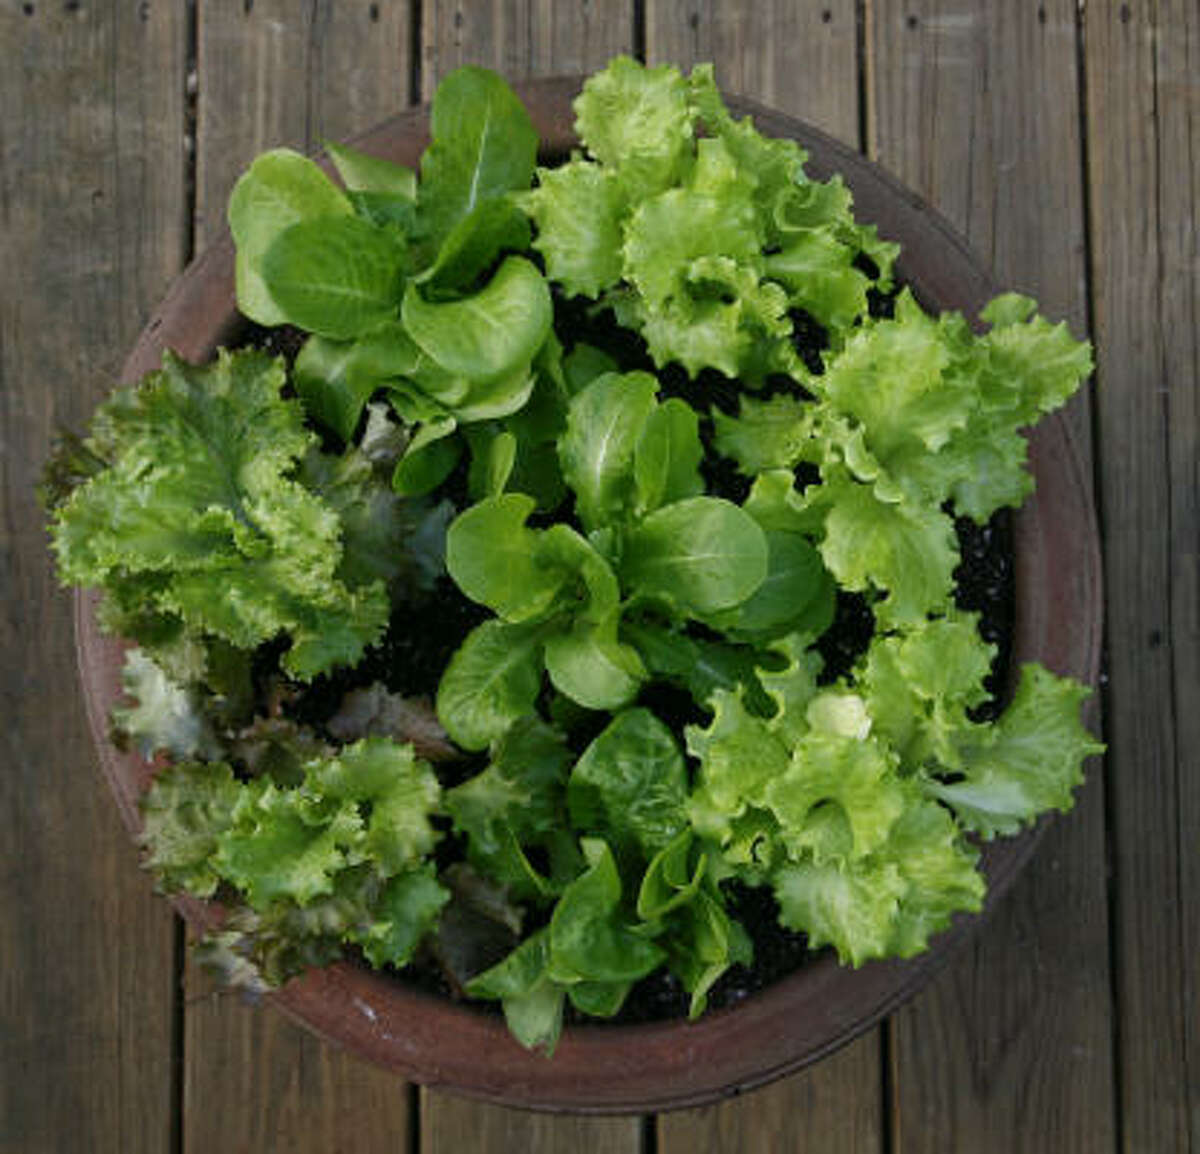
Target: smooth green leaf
667 456
339 277
630 784
484 146
493 558
492 680
279 189
704 554
488 335
605 422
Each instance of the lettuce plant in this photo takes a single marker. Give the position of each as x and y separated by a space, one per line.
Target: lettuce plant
567 416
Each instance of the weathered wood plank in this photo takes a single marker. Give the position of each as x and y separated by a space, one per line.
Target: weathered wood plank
798 57
449 1125
1143 108
1011 1048
92 228
802 59
270 74
520 38
833 1107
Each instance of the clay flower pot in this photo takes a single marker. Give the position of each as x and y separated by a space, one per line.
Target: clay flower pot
613 1068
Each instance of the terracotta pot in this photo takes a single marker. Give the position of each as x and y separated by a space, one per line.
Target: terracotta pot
609 1068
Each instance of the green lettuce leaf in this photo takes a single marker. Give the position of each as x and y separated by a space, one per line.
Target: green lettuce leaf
630 785
492 680
579 210
186 809
396 793
1029 762
635 121
165 717
281 188
200 512
484 146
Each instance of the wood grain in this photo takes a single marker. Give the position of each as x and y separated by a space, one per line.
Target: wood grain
798 57
801 59
450 1125
273 73
1143 71
1011 1048
521 39
92 228
270 74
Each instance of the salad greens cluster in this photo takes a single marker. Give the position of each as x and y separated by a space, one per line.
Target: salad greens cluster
566 825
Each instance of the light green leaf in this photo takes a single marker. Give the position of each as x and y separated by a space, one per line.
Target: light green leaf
667 456
578 210
605 422
338 277
398 792
488 335
280 188
492 680
164 717
635 121
592 667
362 172
493 558
484 146
704 554
187 807
1031 761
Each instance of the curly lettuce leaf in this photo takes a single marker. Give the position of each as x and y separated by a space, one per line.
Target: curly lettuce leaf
635 121
888 903
396 793
579 210
164 717
186 809
200 510
1029 762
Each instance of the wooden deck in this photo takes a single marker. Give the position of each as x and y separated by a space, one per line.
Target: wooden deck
1062 137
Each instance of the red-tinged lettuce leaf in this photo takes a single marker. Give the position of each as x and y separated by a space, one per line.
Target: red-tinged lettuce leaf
184 812
395 793
164 717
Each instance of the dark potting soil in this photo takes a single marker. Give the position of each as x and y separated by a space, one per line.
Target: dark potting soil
410 660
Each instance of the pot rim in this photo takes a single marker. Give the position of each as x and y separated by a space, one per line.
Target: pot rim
822 1006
